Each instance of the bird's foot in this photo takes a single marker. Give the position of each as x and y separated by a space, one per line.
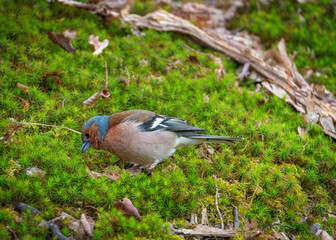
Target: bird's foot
136 169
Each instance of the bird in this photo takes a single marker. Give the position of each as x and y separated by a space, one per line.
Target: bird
143 137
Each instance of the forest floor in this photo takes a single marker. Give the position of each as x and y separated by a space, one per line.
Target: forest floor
273 175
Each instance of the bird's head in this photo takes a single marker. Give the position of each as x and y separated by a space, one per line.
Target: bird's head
94 131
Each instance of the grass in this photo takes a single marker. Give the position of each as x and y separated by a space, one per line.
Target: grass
284 176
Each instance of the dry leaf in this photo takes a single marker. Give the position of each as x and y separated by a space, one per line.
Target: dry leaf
328 126
88 224
94 98
64 40
98 46
206 98
70 34
113 176
104 93
323 235
24 103
8 137
73 224
35 171
193 59
126 206
23 87
302 132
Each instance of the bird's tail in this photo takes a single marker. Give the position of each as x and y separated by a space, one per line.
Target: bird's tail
194 138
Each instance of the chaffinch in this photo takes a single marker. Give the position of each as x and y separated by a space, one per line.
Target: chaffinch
144 137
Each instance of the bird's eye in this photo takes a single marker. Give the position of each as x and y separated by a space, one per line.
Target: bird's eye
87 135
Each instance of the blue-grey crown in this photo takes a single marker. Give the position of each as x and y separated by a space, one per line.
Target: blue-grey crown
101 121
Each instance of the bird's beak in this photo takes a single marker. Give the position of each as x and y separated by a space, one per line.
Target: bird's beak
85 146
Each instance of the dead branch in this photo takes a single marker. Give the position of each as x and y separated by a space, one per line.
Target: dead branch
56 232
281 77
12 231
24 207
205 231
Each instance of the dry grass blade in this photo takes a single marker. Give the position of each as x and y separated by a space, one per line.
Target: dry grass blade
45 125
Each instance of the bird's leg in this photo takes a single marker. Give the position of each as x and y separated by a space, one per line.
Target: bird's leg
135 169
153 165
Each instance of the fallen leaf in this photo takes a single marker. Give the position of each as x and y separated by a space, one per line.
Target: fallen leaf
103 93
35 171
70 34
64 40
88 224
193 59
206 98
24 103
97 45
94 98
126 206
328 126
323 235
113 176
8 137
302 132
73 224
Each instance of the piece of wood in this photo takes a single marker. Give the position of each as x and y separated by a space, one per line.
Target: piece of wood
206 231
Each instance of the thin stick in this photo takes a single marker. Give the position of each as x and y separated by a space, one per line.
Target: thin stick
46 125
106 75
216 203
63 102
11 230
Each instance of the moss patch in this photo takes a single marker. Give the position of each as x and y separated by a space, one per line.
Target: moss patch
284 177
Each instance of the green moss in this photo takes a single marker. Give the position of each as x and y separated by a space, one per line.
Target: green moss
275 167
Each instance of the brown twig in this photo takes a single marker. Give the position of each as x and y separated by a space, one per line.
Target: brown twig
216 203
45 125
11 230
